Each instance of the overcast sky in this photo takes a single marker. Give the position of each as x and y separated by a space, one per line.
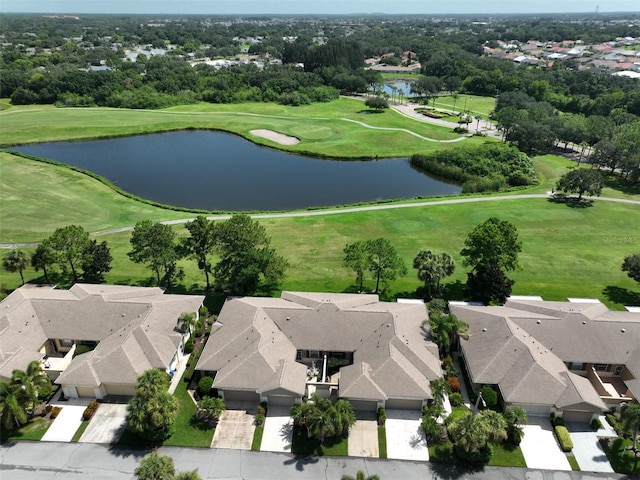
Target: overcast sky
247 7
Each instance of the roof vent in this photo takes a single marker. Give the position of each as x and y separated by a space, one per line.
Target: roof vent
484 329
538 322
623 330
123 315
388 324
584 322
288 318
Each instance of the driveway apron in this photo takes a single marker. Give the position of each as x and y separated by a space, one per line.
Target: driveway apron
587 448
405 437
363 436
234 430
278 430
107 424
540 447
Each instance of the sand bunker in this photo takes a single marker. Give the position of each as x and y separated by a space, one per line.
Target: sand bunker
275 137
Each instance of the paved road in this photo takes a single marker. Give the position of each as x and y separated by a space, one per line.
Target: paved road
49 461
337 211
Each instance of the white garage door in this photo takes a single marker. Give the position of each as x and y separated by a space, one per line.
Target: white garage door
240 396
364 405
403 404
280 401
534 410
582 417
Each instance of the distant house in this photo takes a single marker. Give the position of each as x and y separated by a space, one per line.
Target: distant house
280 350
573 359
127 330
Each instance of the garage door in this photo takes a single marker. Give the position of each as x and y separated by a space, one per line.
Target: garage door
280 401
85 392
398 404
364 405
534 410
120 390
239 396
583 417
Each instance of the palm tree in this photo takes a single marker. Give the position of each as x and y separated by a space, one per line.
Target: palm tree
630 418
346 416
209 410
515 417
12 412
455 98
445 330
31 383
155 467
432 268
42 258
495 425
15 261
187 321
301 414
360 476
469 433
439 388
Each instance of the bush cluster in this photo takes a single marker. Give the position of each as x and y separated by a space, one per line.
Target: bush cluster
55 411
382 417
90 411
486 168
454 383
204 386
456 399
564 439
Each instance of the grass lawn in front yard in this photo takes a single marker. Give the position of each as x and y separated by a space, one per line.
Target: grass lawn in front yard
441 453
574 463
622 461
302 445
257 438
32 430
507 456
188 432
382 442
83 426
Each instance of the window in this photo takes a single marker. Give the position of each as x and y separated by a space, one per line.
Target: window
576 366
601 367
65 342
298 356
618 371
314 353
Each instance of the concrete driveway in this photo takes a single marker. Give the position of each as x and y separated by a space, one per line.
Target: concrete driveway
234 430
278 430
363 436
540 447
65 425
107 424
405 438
587 448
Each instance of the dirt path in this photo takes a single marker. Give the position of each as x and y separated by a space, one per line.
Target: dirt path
338 211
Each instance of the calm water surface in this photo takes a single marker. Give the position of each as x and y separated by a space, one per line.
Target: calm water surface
220 171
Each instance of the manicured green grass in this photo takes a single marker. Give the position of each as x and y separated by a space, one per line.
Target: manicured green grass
457 413
574 463
336 446
257 438
382 442
188 432
83 426
442 453
326 129
567 252
504 456
474 103
622 461
37 198
33 430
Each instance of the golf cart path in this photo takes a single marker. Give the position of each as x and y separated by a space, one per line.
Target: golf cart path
337 211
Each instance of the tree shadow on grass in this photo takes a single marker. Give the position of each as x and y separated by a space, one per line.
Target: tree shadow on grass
622 296
615 182
571 202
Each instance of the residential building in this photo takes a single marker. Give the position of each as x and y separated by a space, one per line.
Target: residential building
281 350
572 359
127 330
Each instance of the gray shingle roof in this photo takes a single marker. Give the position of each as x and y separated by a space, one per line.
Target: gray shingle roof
135 328
254 335
523 347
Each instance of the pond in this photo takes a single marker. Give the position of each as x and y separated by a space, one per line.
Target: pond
403 86
220 171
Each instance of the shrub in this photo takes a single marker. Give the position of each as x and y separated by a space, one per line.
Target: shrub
55 411
204 386
596 424
47 410
615 424
260 418
437 305
382 417
454 383
558 421
80 349
475 458
564 439
456 399
90 411
203 311
490 396
189 346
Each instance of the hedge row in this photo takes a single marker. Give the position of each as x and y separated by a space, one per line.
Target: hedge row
90 411
564 439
